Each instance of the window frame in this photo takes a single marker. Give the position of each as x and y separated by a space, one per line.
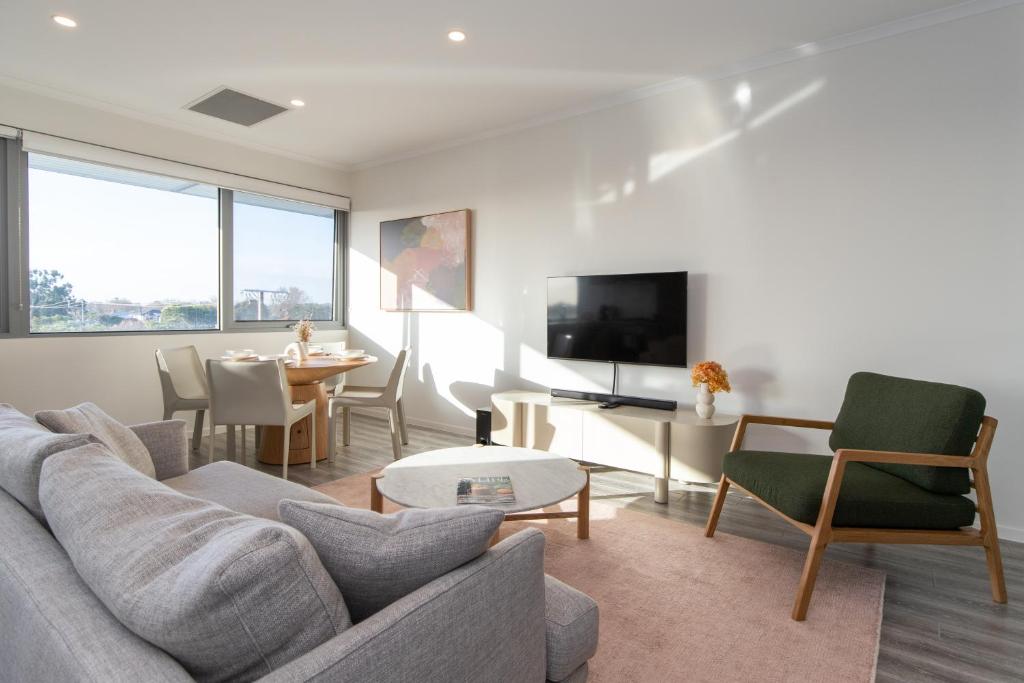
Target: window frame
227 270
5 222
15 234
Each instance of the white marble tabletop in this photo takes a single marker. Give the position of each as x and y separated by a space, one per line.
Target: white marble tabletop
430 479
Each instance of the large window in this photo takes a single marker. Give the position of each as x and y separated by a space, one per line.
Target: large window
119 251
97 248
283 261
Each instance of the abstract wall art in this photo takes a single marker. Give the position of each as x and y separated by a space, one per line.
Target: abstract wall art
425 263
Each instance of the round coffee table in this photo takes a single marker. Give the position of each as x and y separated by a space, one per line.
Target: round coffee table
539 479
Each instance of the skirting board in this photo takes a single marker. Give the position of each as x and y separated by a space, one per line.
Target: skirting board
379 414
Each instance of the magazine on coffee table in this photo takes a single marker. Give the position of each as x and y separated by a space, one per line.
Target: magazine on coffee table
485 491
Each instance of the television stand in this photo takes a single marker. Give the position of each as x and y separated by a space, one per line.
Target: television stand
660 443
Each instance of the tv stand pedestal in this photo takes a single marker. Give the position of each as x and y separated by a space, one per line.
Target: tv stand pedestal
665 444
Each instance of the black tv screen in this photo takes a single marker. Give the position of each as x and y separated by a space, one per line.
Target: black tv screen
638 318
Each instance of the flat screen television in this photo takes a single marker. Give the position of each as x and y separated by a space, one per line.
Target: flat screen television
638 318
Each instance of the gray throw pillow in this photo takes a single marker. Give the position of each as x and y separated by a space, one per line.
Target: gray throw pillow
24 445
88 418
230 596
376 559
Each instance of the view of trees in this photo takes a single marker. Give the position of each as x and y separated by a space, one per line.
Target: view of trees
56 308
285 303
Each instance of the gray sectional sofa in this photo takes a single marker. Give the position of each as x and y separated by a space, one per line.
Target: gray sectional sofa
496 618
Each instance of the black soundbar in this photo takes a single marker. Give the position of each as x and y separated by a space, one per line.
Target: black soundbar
614 399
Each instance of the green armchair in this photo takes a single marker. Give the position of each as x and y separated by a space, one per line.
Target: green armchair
906 453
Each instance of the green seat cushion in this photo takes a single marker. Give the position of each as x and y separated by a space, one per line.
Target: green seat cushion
882 413
794 483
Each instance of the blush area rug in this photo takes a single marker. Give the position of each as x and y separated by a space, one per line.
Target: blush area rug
676 606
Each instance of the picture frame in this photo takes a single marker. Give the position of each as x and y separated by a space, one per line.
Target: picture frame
426 263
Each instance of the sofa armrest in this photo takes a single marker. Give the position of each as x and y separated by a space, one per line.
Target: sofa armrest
167 443
481 622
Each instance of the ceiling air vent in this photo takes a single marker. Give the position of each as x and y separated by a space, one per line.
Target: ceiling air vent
230 105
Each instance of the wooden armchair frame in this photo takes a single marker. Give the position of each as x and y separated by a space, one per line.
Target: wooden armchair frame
823 533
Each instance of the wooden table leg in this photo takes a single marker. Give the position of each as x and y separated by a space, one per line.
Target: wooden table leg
376 499
583 508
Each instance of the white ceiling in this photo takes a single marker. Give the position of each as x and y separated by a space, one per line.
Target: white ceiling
380 77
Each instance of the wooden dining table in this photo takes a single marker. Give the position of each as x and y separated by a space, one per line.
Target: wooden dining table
306 381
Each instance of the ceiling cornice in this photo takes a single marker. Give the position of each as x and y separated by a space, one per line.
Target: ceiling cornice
880 32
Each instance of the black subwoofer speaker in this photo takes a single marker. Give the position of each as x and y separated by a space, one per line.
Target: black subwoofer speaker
483 426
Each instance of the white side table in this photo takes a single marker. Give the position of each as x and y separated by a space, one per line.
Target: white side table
665 444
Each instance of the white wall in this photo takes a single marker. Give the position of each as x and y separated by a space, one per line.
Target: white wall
118 372
864 213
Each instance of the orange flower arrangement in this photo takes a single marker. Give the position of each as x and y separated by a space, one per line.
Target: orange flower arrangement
711 373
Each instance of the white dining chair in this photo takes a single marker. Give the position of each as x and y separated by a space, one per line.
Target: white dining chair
184 386
256 393
389 397
334 383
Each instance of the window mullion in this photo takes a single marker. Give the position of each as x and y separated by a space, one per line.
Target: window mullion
227 271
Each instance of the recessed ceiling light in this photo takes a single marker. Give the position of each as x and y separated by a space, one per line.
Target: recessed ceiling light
298 103
66 22
456 36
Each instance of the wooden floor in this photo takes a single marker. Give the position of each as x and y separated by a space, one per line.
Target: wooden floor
939 622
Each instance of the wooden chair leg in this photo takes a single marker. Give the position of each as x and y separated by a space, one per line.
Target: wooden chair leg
401 422
716 507
810 574
197 431
990 539
994 558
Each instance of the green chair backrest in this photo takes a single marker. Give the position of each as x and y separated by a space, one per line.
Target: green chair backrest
882 413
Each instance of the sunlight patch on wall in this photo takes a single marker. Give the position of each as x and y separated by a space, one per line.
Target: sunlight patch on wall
460 355
787 103
664 163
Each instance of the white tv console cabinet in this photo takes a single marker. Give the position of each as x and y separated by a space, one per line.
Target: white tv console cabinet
663 443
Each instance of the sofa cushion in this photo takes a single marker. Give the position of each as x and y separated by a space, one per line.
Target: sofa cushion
794 483
59 620
571 628
230 596
24 445
882 413
243 489
88 418
376 559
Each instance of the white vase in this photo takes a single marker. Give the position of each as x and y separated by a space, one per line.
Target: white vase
300 350
705 402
